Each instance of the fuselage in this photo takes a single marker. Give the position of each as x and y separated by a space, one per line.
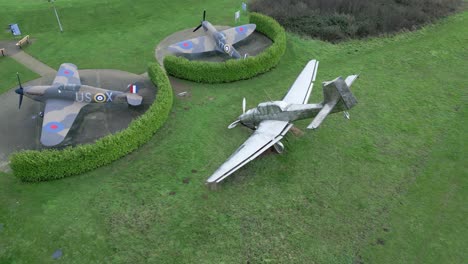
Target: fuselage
78 93
278 110
220 39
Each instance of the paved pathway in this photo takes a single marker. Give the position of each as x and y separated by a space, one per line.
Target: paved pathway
27 60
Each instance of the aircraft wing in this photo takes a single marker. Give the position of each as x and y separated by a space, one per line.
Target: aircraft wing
267 134
300 91
59 116
236 34
195 45
67 74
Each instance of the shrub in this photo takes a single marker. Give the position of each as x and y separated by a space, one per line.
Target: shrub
335 20
233 70
33 165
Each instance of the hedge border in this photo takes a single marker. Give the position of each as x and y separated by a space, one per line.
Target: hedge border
50 164
234 70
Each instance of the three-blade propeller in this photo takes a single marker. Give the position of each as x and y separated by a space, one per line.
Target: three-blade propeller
19 91
199 26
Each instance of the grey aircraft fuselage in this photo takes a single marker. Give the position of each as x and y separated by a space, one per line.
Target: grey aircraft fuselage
278 110
220 40
337 98
77 93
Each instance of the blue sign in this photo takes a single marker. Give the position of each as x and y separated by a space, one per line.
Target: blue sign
14 28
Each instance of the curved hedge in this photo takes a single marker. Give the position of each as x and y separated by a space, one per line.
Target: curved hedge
33 165
234 70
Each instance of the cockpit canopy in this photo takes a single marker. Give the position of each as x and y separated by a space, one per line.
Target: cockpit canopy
272 107
68 87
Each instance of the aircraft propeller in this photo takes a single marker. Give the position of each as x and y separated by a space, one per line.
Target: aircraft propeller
244 103
235 53
199 26
235 123
19 91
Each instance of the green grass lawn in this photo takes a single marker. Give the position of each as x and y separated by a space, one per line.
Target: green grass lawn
9 67
387 186
107 34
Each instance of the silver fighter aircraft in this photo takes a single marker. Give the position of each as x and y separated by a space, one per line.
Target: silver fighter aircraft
272 120
65 98
221 41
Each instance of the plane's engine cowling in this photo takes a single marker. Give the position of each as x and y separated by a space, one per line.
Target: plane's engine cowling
227 48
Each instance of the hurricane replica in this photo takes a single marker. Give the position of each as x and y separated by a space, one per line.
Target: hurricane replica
65 98
272 120
215 40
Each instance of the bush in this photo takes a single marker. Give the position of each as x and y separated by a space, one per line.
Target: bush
233 70
33 165
336 20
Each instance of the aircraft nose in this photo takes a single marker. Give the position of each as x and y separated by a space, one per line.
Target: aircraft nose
19 91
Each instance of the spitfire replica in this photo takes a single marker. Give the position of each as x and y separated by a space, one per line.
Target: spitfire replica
215 40
65 98
272 120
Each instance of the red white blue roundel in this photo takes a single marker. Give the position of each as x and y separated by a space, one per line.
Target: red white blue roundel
65 72
241 29
186 44
54 127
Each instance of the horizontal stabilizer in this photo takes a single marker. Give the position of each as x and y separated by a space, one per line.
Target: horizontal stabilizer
134 99
350 79
321 115
337 97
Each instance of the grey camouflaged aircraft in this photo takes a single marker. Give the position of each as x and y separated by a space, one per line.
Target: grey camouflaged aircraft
272 120
215 40
66 97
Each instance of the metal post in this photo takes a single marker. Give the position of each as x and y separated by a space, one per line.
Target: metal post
56 15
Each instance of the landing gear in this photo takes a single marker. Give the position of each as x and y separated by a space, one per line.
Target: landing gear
278 147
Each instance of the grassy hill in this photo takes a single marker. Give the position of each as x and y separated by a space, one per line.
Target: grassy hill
387 186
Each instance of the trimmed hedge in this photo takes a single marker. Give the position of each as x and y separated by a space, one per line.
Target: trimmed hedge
33 165
233 70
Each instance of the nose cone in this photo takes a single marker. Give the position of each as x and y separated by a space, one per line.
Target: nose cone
19 91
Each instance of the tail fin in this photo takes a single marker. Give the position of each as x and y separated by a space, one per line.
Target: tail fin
133 98
337 97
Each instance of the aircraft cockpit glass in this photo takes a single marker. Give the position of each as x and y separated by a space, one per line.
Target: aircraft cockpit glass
271 107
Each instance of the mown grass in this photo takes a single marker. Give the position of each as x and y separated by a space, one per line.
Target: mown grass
326 200
8 69
107 34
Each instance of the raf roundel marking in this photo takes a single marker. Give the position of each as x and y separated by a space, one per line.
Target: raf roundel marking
66 72
100 98
240 29
186 44
54 127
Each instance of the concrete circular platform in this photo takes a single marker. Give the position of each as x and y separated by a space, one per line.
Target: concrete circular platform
21 128
252 45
